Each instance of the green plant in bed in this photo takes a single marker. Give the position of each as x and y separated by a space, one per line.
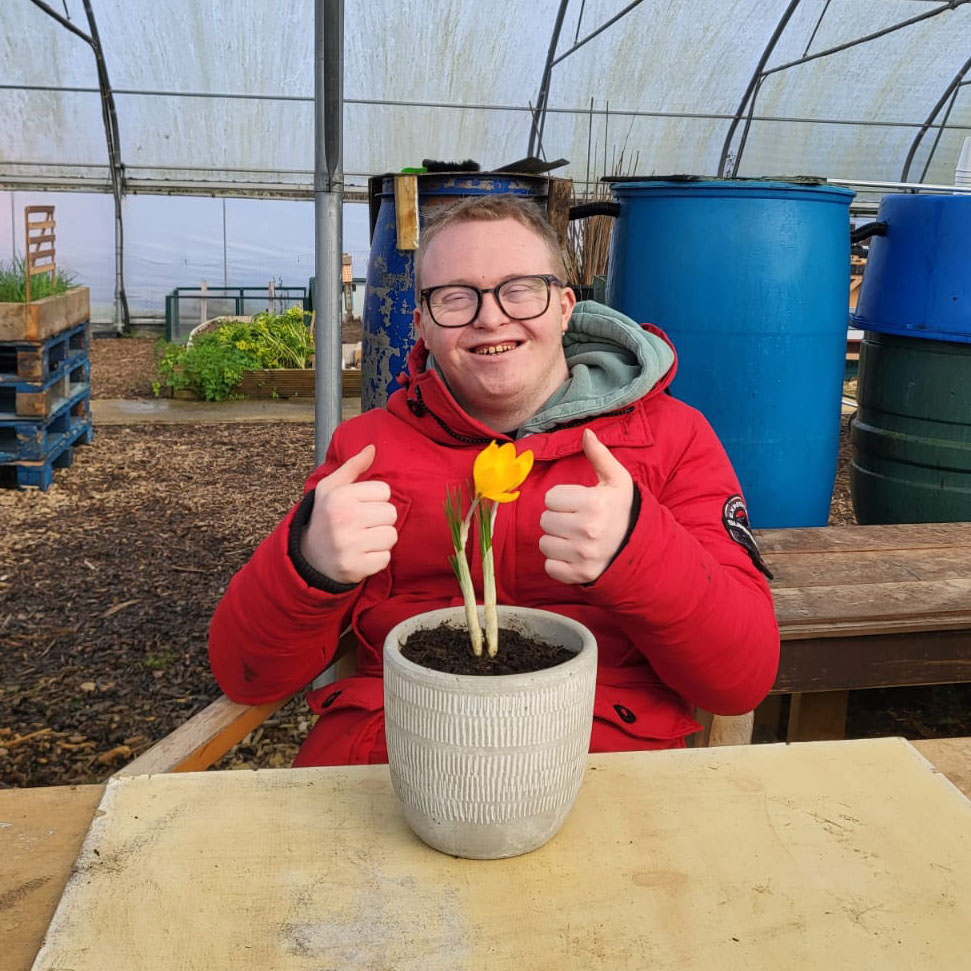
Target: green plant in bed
213 364
13 283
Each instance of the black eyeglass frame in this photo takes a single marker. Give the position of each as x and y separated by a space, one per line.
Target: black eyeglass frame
550 279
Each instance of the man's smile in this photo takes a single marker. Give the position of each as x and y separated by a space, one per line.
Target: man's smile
491 349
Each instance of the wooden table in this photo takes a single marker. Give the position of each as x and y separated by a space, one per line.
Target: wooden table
825 854
867 607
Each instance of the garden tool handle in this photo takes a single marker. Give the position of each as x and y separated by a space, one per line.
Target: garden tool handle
603 208
867 230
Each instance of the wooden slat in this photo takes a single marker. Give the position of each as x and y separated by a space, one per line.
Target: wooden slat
560 195
857 570
898 536
886 608
406 211
838 663
290 382
203 739
818 717
44 318
38 248
39 404
209 734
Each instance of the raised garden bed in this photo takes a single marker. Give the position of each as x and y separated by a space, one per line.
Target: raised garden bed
279 383
292 383
41 319
264 356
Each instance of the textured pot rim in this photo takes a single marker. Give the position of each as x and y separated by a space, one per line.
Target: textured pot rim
508 682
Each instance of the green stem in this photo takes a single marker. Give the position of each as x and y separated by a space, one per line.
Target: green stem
461 567
487 519
460 564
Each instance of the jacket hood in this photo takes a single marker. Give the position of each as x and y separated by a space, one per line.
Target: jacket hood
613 363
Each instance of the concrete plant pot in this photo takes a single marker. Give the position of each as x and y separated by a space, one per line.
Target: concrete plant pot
489 767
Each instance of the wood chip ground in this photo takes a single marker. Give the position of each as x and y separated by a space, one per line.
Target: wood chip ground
109 579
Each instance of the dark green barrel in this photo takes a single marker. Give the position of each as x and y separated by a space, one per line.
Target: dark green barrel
911 434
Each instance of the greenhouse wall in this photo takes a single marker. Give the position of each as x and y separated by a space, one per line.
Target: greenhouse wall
174 241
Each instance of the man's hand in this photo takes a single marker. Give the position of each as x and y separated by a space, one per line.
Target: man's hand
585 525
351 529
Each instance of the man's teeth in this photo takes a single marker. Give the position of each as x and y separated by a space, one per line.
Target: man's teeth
495 349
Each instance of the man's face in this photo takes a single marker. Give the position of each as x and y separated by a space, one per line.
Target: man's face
497 368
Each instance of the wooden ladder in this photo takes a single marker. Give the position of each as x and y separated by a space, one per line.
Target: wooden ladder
39 240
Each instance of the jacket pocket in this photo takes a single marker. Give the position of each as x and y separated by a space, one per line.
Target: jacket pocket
364 694
350 729
627 718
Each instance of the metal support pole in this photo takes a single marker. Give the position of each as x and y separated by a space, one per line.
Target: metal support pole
956 83
539 112
328 202
750 90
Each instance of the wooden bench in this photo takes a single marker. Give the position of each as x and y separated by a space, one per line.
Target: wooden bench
867 607
858 607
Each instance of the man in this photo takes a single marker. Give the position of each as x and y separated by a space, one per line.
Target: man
624 522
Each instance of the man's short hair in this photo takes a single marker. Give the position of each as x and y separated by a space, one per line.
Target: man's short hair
492 208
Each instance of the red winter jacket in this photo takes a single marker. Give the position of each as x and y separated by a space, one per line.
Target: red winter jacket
682 616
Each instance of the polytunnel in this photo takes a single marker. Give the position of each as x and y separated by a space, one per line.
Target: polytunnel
210 112
217 98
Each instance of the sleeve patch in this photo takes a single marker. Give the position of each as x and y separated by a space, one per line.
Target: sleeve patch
735 519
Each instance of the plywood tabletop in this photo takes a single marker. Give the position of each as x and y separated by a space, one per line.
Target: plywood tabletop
751 857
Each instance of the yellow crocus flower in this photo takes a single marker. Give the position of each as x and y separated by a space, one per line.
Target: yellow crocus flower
498 470
497 473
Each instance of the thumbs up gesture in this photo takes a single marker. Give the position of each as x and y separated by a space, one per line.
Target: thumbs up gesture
583 526
351 529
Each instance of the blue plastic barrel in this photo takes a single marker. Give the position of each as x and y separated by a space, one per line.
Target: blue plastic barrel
917 281
389 296
750 280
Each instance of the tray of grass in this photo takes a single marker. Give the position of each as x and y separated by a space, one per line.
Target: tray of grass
54 306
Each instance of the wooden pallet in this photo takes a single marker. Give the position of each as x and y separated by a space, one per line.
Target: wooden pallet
27 399
37 362
39 474
23 440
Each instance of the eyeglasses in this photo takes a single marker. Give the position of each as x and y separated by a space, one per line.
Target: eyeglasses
519 298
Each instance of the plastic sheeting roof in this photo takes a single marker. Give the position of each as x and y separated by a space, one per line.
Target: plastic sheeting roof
219 93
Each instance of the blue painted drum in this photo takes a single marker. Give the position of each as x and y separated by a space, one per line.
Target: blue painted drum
389 297
750 280
916 282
